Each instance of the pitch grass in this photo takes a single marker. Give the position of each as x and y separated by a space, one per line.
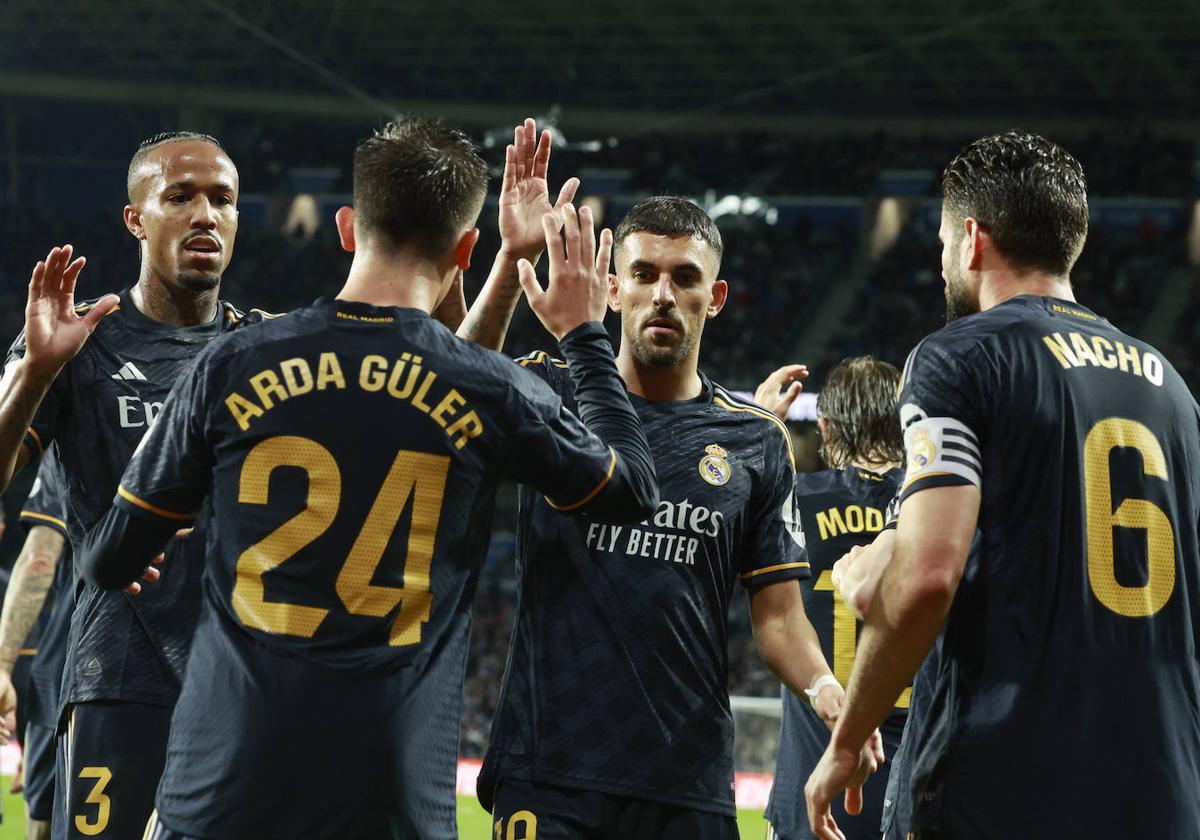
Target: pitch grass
473 822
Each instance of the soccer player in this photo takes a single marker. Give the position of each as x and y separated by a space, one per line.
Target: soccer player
1065 702
841 507
39 576
614 718
95 397
350 452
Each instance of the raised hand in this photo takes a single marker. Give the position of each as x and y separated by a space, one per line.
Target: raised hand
525 193
54 333
578 288
771 395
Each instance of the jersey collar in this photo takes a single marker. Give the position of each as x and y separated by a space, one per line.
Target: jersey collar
139 320
705 398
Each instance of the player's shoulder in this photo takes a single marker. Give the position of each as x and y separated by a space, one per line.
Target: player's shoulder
236 318
255 330
819 483
970 341
755 422
85 306
544 366
536 378
853 482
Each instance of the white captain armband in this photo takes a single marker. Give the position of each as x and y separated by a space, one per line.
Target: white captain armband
939 447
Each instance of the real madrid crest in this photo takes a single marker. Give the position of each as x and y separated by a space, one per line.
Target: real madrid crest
713 467
922 450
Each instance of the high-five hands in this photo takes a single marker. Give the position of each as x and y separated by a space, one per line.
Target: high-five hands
525 194
54 332
578 289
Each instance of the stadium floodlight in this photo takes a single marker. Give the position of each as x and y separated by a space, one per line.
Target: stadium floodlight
889 221
502 136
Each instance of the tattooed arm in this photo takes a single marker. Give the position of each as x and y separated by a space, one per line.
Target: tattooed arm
32 576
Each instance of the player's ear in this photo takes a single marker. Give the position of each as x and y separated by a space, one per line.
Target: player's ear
466 244
720 292
133 221
344 219
823 429
973 243
614 299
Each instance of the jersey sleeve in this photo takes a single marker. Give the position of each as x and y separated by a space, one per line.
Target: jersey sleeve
773 549
171 470
44 505
550 447
596 461
40 433
940 416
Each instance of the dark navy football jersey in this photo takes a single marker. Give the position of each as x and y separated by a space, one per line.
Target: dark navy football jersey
617 678
839 509
44 508
1066 698
96 411
350 455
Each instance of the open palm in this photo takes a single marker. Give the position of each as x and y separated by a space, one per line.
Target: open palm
54 331
525 193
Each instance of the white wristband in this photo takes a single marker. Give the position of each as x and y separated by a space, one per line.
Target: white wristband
821 682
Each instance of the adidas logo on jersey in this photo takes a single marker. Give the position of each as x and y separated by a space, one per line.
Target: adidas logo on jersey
129 371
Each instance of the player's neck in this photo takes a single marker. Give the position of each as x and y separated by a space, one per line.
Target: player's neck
381 280
1004 286
170 304
659 384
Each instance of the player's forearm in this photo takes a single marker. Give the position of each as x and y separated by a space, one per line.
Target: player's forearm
901 627
790 647
32 576
120 547
21 392
487 320
603 404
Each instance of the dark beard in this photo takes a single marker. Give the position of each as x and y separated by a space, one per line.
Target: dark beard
198 282
959 303
653 356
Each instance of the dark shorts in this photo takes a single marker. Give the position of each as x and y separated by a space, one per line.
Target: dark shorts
802 741
39 771
108 765
303 750
527 810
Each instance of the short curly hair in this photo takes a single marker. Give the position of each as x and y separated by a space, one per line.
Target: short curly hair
1028 193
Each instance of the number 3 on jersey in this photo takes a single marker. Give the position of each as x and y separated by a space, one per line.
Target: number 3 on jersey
416 476
1130 601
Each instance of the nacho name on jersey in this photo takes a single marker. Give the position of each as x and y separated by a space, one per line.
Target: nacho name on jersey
683 524
1075 350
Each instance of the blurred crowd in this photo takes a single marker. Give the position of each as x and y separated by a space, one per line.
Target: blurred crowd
779 274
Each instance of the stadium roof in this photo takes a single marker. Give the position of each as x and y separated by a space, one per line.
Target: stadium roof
632 65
